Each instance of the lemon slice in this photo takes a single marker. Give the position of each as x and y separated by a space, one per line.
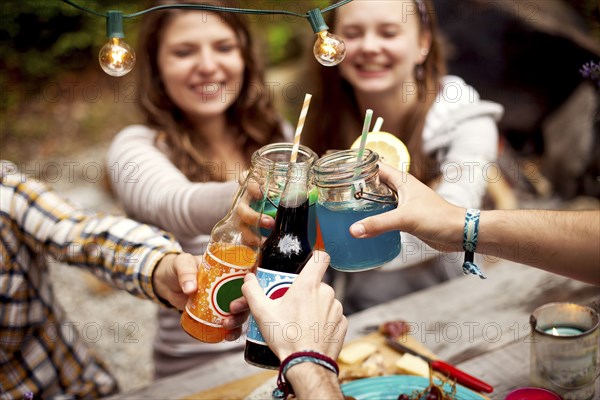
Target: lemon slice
391 150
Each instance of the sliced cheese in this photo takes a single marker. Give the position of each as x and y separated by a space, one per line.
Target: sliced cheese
412 365
356 352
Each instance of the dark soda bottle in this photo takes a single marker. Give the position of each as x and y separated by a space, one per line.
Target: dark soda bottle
282 257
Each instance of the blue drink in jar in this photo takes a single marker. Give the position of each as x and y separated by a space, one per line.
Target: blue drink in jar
348 253
349 190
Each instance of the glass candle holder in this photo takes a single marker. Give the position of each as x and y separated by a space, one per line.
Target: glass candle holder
564 349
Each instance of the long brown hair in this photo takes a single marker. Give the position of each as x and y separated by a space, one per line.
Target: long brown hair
253 115
339 113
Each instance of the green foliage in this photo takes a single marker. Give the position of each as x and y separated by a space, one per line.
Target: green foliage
54 98
42 39
281 43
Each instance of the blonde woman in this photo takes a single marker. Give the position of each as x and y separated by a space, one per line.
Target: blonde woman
394 65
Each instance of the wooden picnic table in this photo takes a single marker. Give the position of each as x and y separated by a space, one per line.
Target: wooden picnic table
481 326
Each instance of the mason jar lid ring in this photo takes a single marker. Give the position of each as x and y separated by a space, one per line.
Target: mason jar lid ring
340 168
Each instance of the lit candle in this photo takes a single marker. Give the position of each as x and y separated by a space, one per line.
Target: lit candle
564 347
563 331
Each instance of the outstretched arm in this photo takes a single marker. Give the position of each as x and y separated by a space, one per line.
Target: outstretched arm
153 190
562 242
132 256
308 303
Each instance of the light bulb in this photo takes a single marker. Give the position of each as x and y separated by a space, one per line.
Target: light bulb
329 49
116 57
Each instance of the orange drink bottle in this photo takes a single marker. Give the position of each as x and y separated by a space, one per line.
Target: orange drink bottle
231 253
220 280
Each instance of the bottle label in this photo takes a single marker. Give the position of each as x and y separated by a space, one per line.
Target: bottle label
219 283
275 285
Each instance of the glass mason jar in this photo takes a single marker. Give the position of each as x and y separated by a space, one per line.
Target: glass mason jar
348 191
280 153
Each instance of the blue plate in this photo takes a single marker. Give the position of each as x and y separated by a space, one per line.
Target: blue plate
391 386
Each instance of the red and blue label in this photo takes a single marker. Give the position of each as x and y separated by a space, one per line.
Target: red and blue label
275 285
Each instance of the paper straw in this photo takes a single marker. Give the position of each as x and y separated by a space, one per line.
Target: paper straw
363 142
378 124
363 137
301 120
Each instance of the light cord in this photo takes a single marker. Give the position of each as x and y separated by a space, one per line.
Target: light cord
329 50
207 7
84 9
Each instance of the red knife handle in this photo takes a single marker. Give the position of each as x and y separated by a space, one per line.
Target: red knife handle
461 377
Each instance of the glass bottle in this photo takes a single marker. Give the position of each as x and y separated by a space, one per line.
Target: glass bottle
282 256
280 153
350 190
232 252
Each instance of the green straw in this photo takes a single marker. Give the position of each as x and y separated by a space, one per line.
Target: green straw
363 142
365 132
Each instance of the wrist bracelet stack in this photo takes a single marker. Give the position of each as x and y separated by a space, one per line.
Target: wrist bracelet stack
284 389
470 234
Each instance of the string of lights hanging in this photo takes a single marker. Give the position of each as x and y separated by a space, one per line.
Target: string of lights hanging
117 58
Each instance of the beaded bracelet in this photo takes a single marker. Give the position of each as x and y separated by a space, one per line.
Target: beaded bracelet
470 235
283 388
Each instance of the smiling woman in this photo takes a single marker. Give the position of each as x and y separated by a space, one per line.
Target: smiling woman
201 128
201 65
394 65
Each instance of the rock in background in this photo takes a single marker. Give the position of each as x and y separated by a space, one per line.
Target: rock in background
527 56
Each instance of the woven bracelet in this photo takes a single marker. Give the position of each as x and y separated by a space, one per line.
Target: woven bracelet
470 234
284 389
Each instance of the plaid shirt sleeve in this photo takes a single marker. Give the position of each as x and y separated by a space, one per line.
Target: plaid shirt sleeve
116 249
37 223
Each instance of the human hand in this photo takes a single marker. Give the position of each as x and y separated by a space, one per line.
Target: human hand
247 212
239 314
174 278
420 212
307 317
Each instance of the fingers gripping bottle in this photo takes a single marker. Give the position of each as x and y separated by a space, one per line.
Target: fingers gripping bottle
231 253
282 257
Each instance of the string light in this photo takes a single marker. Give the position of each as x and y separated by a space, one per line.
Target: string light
117 58
329 49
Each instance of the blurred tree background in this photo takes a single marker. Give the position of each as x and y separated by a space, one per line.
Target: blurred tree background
56 99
